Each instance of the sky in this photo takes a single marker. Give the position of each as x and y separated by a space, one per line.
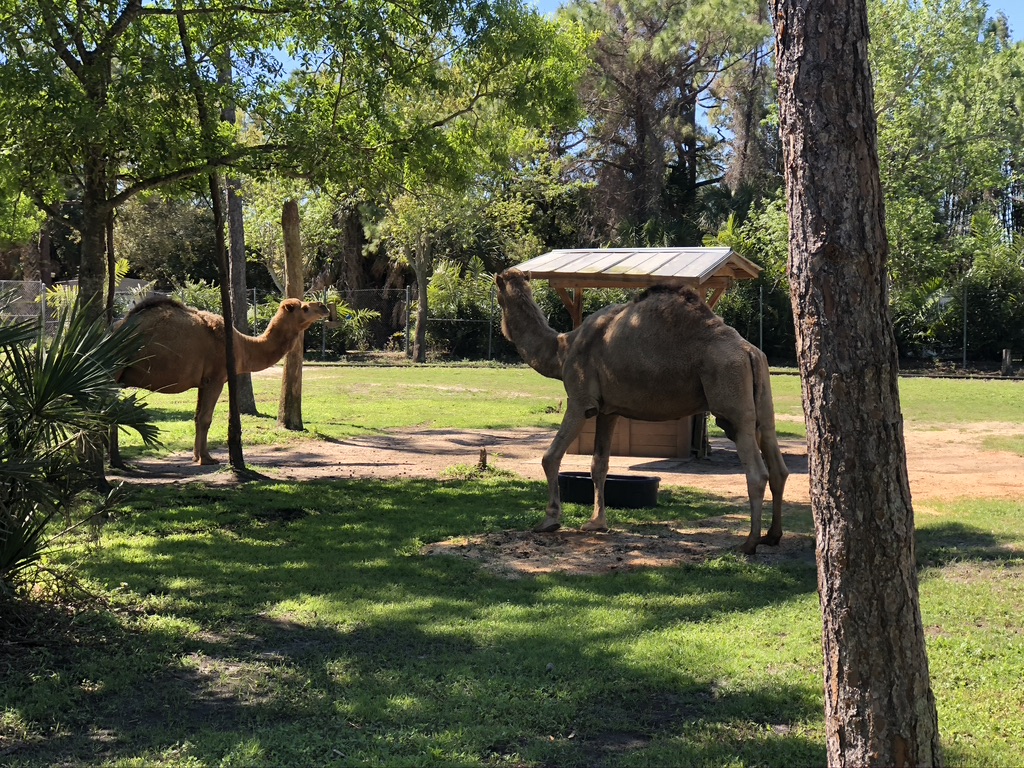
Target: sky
1014 10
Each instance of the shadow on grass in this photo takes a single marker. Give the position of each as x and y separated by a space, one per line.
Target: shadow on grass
946 543
388 657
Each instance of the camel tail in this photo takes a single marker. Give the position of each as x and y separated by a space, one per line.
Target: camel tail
763 405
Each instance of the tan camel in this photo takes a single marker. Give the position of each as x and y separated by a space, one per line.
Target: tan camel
183 348
663 356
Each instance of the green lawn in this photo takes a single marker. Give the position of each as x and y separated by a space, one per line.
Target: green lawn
285 624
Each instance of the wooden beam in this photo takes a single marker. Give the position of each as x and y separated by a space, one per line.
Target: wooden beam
573 302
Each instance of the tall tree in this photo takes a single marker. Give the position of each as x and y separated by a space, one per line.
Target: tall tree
879 705
236 240
654 65
96 107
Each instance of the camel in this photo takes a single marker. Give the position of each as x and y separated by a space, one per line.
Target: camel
183 348
665 355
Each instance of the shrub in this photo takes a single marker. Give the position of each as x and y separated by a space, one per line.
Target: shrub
58 400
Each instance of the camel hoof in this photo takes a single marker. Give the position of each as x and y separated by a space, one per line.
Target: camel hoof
747 548
548 526
206 461
771 540
594 527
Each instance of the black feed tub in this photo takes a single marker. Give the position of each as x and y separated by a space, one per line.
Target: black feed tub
621 491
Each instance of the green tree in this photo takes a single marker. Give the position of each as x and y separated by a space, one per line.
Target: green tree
96 107
654 69
951 146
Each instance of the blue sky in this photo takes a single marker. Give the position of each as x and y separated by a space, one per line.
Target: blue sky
1014 10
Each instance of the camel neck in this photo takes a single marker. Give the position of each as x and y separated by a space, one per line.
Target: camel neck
536 341
255 353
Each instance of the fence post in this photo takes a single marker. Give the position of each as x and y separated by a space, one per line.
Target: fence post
1007 367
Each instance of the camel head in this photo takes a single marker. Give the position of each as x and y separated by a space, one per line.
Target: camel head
512 285
299 315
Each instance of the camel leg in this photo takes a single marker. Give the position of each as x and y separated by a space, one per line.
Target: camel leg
757 479
571 425
599 470
205 404
777 474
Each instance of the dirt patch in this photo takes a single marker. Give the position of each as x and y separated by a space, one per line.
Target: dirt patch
523 553
943 464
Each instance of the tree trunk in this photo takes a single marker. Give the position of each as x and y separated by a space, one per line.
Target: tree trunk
111 269
289 409
421 266
236 246
92 273
879 705
235 454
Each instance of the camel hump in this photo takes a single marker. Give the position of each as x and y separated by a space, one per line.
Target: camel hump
154 302
682 292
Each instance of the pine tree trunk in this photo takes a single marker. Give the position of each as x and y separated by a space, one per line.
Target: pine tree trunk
289 409
879 705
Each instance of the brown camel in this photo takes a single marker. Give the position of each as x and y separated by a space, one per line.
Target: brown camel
183 348
663 356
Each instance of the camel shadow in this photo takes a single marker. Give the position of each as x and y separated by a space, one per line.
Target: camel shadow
181 467
723 459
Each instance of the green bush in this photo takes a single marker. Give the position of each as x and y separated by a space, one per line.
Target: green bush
58 400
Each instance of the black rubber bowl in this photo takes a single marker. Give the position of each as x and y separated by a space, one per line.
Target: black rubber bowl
621 491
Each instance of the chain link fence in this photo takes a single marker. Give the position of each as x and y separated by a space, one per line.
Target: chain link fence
22 299
381 320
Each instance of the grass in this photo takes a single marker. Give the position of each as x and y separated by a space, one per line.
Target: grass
296 624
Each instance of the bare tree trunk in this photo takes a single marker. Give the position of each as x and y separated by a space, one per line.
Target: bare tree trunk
217 201
111 268
235 455
421 266
289 409
236 247
879 705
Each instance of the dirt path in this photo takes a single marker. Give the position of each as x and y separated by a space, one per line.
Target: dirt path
943 464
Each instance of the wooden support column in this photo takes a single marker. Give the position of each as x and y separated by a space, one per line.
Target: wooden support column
573 301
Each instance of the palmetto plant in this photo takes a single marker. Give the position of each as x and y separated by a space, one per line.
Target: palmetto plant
58 399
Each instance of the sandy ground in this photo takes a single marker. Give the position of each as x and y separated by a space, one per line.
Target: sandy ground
943 464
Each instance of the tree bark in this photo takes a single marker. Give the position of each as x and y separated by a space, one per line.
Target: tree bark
879 705
235 454
289 410
236 247
421 266
92 273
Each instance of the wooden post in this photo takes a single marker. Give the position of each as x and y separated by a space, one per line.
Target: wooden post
1007 368
289 408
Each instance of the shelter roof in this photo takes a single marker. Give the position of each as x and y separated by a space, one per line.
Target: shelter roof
712 268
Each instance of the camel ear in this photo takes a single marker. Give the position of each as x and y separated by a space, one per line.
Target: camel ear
290 306
500 281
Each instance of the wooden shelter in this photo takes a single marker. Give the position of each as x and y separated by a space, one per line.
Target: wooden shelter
570 270
710 271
